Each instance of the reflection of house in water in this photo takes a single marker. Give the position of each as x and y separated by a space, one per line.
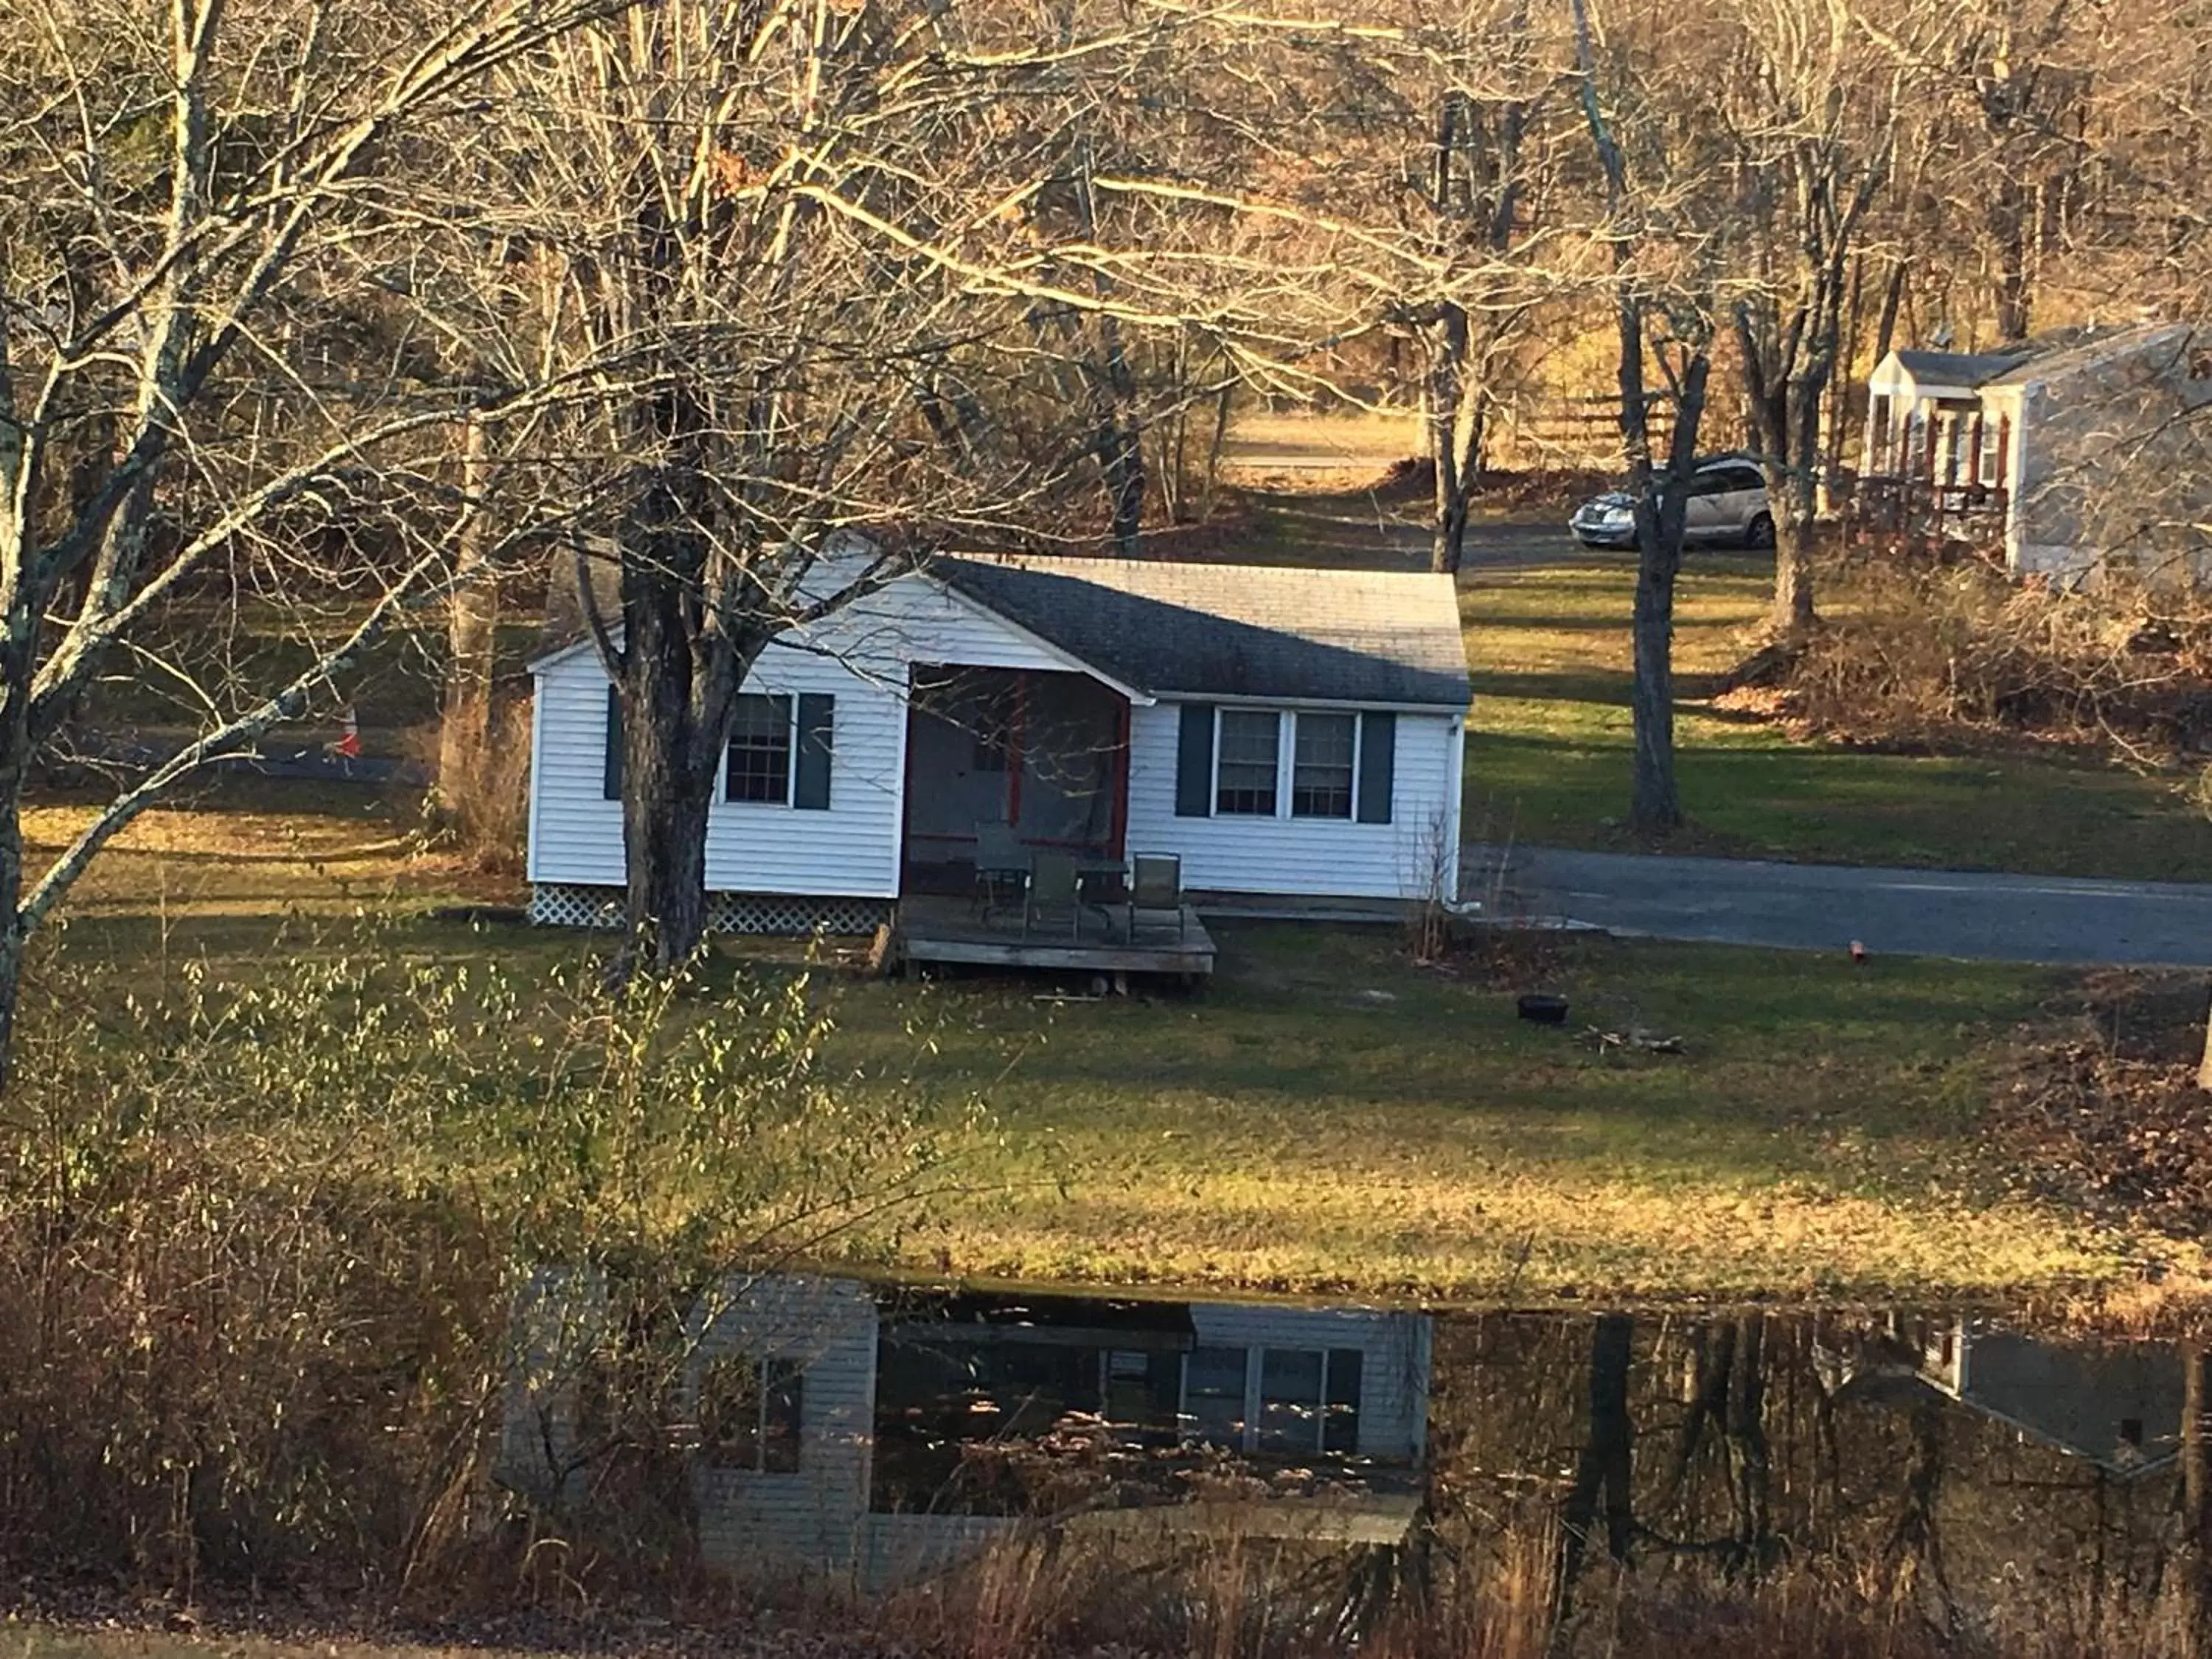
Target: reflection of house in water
874 1433
2116 1405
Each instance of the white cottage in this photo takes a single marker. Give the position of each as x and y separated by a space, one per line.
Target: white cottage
2063 450
1284 731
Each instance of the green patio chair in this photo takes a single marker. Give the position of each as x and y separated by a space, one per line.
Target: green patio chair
1054 891
1155 885
1002 867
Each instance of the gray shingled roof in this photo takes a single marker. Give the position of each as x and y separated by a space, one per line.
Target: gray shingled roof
1231 630
2083 348
2057 351
1958 367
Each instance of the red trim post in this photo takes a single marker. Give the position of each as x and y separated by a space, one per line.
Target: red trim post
1017 736
906 785
1121 780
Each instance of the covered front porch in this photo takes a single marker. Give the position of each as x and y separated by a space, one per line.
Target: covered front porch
1005 758
1936 462
1015 851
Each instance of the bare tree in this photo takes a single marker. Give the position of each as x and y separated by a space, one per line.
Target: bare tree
464 714
2195 1574
1810 155
198 227
1663 277
1479 202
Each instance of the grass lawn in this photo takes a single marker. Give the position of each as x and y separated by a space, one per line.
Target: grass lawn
1549 748
1327 1116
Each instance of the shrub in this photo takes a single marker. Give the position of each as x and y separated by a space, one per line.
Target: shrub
1939 656
479 793
259 1241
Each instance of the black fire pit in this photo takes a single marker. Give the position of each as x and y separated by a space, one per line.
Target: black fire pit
1543 1009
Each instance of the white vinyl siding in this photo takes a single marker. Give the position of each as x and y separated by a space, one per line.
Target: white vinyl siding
1329 857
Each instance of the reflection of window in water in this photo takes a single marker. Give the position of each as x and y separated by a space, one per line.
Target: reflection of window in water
1140 1387
1291 1399
1284 1401
1213 1395
749 1414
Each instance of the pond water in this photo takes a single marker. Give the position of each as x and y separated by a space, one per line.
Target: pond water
1988 1473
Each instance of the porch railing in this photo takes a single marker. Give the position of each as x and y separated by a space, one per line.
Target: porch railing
1904 507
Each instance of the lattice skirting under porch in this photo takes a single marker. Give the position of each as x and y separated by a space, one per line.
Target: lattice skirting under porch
561 904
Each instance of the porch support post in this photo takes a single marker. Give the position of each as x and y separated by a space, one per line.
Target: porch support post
1016 746
1121 777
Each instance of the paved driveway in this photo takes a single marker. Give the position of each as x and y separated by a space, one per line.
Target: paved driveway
1821 907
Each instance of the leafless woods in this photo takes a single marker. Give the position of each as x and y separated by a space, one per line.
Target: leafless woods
314 319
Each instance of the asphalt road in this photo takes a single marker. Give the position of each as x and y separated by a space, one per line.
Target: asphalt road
1818 907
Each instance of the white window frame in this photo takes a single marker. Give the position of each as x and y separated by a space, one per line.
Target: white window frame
1215 802
1351 813
1286 762
791 753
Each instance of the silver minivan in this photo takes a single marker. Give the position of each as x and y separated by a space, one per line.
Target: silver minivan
1727 503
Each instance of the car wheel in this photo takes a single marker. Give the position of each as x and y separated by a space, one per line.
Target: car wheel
1760 533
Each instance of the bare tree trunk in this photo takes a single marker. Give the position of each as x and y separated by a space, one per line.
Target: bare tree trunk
12 932
1893 299
1916 1542
471 633
1120 439
2008 226
2195 1575
1447 339
665 805
1842 416
678 690
1796 527
1655 806
1217 441
1448 391
1708 1402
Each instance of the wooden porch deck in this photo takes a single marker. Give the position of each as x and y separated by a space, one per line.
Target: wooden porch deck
931 929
